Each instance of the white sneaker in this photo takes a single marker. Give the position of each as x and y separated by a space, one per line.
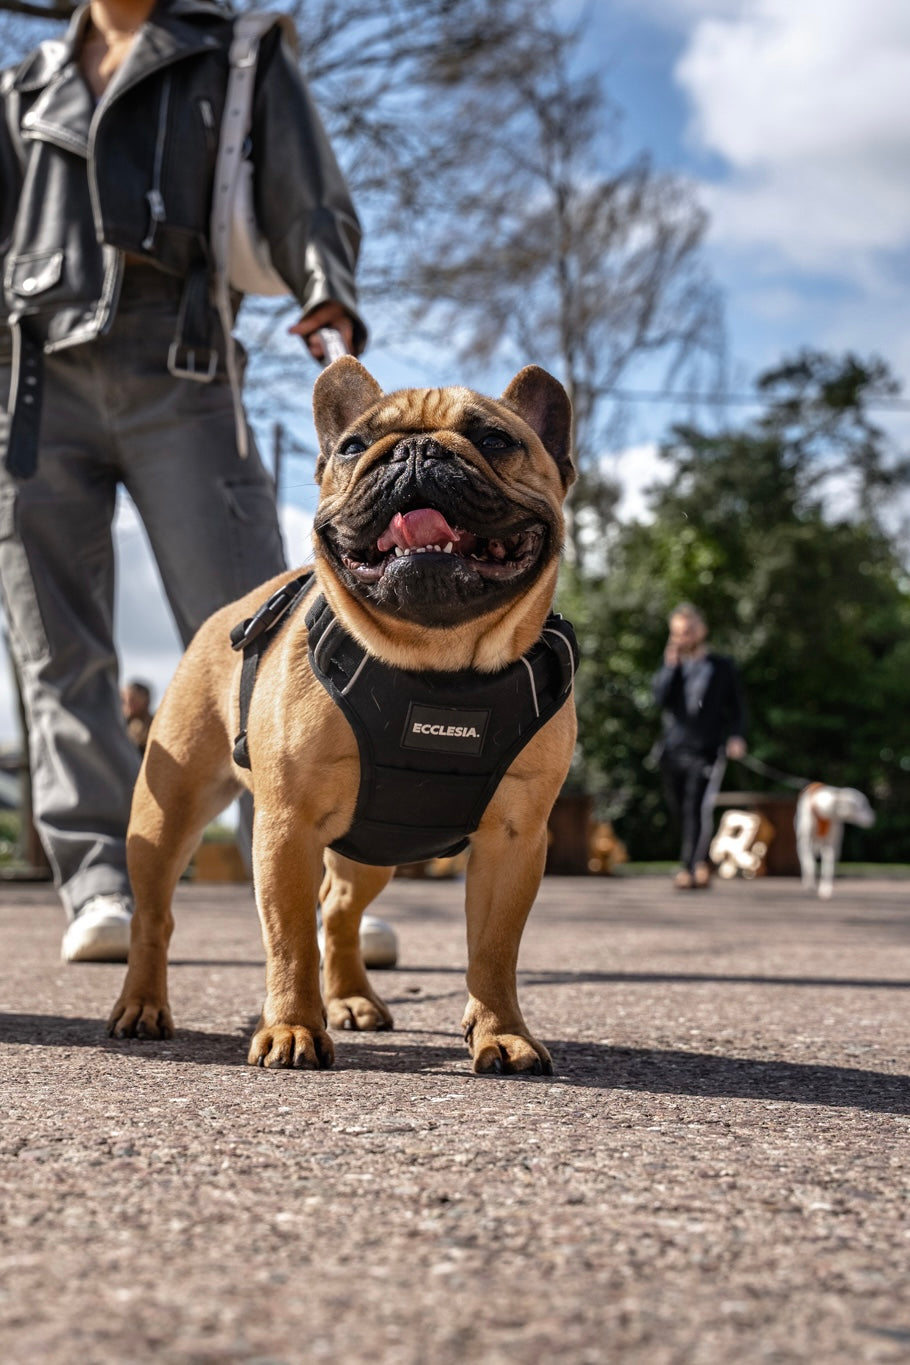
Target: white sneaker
100 932
378 942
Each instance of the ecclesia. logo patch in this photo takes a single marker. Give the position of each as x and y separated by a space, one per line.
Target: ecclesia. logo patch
447 729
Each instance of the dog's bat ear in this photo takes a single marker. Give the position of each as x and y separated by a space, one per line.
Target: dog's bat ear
543 403
341 393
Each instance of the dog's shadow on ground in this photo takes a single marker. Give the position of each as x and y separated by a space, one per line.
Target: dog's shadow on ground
707 1075
698 1075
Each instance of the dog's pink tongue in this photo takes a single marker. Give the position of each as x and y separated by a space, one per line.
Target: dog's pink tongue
409 529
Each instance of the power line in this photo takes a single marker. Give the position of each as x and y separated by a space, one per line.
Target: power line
736 399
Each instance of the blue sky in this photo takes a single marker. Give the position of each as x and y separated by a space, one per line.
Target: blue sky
791 120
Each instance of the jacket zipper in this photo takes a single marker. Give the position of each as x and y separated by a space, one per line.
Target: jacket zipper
154 195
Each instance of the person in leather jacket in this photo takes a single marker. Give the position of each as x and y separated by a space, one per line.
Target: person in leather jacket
703 724
112 373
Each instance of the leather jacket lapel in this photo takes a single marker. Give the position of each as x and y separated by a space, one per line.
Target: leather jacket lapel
51 57
62 113
162 40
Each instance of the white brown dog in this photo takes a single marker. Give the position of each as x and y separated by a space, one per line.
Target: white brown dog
821 813
423 639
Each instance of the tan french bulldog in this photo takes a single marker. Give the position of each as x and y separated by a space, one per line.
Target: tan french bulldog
437 538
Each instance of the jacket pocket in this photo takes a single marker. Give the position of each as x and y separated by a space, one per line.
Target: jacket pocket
33 274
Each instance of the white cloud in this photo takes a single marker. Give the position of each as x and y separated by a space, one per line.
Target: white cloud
807 105
636 469
297 528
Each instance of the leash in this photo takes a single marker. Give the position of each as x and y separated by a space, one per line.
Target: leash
765 770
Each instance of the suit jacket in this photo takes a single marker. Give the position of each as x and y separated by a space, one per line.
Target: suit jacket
718 712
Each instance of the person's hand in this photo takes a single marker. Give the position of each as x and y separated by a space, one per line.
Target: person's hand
329 314
671 654
736 747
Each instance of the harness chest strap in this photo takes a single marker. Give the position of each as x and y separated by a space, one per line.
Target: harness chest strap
253 636
433 746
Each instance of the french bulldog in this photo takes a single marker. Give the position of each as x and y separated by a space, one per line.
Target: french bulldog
437 541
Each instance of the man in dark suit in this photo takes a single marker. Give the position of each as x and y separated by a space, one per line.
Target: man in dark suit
704 723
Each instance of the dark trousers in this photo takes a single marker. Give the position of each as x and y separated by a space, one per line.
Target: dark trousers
690 783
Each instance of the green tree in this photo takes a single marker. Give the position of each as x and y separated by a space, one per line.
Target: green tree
778 531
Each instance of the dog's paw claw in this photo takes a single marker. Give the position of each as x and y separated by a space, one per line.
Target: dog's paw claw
143 1022
360 1014
510 1054
291 1046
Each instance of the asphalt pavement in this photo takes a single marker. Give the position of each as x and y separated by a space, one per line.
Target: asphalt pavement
719 1171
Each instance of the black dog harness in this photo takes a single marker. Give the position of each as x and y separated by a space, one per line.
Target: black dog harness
433 746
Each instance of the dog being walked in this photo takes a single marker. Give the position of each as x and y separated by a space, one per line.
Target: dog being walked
821 813
409 697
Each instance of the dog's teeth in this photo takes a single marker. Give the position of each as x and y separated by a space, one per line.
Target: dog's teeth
448 548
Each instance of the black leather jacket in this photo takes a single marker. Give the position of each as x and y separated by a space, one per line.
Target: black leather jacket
81 184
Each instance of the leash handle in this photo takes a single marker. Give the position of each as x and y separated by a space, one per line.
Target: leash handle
332 344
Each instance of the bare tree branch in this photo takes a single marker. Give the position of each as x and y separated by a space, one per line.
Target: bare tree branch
501 222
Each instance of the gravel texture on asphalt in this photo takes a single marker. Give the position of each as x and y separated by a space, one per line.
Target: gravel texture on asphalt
719 1171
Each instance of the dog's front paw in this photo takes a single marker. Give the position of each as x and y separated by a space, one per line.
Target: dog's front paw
498 1051
362 1013
135 1017
291 1045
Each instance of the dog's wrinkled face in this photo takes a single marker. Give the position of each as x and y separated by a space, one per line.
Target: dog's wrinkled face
439 504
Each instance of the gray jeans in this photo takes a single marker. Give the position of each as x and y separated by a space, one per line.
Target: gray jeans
112 415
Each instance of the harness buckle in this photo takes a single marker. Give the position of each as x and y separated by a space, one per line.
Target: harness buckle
181 362
265 617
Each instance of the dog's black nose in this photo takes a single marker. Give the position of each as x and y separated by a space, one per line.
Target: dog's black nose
418 449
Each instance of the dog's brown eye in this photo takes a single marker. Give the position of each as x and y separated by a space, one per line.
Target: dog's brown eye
492 442
352 446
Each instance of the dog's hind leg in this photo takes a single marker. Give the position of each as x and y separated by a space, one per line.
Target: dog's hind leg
805 851
184 782
347 889
830 855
